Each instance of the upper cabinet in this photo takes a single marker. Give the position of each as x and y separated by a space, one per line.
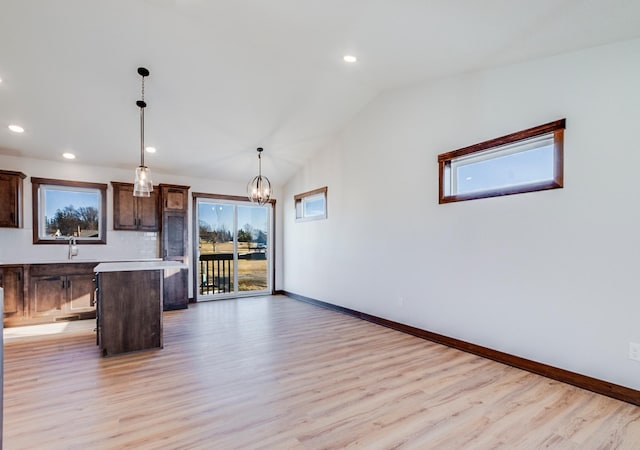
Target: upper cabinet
134 213
11 199
174 197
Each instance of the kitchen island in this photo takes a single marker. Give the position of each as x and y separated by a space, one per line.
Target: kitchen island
129 305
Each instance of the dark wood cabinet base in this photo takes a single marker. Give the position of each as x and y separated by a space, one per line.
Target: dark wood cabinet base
129 311
45 293
175 294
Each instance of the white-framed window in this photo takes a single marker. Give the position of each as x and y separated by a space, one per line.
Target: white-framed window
65 209
525 161
311 205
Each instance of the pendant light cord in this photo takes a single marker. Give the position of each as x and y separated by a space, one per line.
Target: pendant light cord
142 106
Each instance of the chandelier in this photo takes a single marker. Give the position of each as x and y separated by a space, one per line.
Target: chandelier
259 189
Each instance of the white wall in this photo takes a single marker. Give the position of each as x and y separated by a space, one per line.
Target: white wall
16 244
550 276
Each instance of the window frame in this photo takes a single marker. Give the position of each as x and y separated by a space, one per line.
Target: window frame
37 183
556 128
300 198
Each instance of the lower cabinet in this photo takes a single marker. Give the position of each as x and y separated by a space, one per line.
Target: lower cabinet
175 289
41 293
48 294
129 311
12 281
54 296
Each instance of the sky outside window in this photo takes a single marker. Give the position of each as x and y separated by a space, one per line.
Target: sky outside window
220 215
527 167
58 199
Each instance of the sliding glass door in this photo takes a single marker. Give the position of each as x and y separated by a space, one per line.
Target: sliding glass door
234 248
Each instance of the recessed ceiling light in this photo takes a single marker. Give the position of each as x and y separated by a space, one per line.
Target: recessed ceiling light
350 58
16 128
150 149
68 155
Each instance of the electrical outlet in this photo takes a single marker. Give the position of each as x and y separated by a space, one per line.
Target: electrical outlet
634 351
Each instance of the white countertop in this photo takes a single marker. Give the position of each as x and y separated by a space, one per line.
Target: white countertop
131 266
75 261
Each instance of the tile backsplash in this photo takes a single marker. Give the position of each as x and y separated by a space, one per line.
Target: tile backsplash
16 246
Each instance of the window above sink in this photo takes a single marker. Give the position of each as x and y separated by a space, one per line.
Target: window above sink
68 209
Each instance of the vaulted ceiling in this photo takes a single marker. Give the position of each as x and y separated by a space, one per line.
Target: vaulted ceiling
229 76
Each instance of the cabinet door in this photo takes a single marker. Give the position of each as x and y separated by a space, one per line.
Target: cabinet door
175 289
134 213
80 292
11 280
175 199
48 295
147 212
174 236
10 200
124 207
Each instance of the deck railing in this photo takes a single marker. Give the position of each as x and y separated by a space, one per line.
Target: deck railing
216 273
216 270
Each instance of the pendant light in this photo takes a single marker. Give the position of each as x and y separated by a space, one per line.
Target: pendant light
259 189
143 186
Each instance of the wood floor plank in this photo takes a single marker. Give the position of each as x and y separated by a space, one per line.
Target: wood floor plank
275 373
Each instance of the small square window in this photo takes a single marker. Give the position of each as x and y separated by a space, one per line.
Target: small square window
526 161
311 205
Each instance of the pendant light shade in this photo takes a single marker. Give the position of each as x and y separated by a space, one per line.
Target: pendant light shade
143 185
259 189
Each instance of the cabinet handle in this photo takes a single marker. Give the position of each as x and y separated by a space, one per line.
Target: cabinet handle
62 284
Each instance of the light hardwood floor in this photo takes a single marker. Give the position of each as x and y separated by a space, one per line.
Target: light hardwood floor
276 373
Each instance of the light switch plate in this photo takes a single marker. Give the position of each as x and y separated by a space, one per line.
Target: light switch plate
634 351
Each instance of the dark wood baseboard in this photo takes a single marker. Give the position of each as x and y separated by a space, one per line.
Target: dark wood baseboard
278 292
582 381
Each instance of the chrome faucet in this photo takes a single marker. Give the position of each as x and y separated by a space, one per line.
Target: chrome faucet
73 247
